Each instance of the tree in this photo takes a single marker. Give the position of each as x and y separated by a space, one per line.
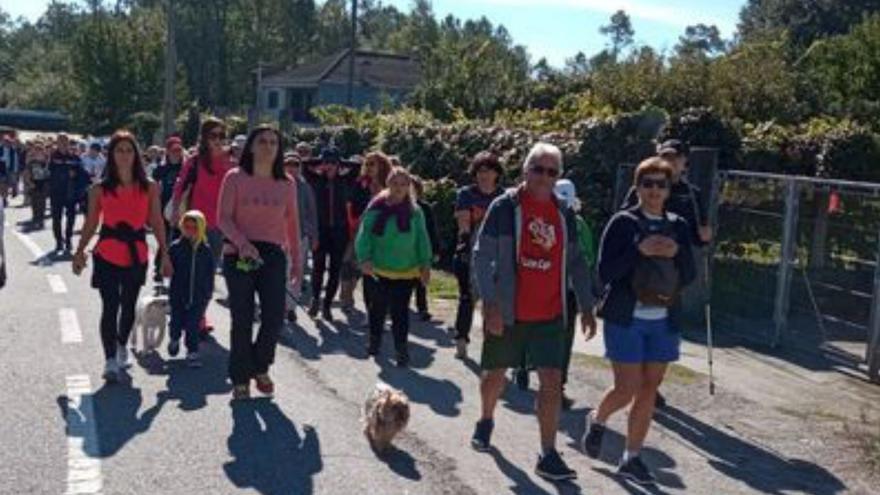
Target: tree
700 40
804 21
620 32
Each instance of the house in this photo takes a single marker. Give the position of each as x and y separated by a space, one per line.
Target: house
380 78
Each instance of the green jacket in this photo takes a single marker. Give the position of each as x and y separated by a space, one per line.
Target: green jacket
586 240
394 254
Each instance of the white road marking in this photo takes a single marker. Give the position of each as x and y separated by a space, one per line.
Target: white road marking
57 283
29 243
70 332
83 470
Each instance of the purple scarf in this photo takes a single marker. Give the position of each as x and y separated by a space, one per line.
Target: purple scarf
402 210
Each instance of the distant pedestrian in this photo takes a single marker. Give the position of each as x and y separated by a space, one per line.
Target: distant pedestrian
428 211
308 220
124 204
36 178
65 188
165 176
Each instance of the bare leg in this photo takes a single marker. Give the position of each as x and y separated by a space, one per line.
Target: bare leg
627 381
491 387
643 408
549 397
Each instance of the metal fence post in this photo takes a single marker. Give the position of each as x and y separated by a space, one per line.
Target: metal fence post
789 242
873 353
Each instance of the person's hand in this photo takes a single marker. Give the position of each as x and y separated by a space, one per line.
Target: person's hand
167 267
79 262
248 251
493 321
367 268
588 324
706 233
650 246
667 248
426 276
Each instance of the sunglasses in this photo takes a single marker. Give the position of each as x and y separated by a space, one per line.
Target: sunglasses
546 171
217 135
654 183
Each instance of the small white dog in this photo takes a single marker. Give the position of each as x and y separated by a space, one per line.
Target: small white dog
385 414
151 318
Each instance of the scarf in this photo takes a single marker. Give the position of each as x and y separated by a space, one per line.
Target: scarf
403 211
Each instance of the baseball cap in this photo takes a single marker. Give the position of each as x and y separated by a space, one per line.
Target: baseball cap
330 155
567 193
239 141
672 147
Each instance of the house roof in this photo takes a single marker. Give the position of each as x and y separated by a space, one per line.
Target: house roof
377 69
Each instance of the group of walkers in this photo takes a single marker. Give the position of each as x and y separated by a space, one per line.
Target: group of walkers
257 213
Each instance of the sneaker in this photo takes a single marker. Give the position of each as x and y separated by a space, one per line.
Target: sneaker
461 346
521 378
111 371
636 471
591 443
122 357
425 316
291 316
660 401
314 308
192 360
551 467
173 348
241 392
483 435
265 384
567 402
68 246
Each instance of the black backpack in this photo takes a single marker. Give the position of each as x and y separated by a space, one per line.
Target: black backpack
656 281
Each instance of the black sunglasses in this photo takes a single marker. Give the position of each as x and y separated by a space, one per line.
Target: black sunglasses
651 183
548 171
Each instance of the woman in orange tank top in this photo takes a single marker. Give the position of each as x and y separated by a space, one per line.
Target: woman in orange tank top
123 204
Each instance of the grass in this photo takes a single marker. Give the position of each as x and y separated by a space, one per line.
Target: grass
871 447
443 286
676 373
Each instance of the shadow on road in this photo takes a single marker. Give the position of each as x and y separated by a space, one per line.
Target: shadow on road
401 463
759 468
442 396
269 454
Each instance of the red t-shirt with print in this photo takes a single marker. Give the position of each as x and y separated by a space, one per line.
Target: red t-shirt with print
539 267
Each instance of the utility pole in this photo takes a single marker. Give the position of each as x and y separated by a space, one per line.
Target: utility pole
352 52
168 104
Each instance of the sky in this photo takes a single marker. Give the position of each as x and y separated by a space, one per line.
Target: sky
554 29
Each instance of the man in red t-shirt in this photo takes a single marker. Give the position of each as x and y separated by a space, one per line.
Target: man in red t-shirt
525 260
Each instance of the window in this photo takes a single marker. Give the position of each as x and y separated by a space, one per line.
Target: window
273 100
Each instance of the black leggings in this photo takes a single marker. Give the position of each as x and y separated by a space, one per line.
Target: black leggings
389 296
332 244
62 207
119 289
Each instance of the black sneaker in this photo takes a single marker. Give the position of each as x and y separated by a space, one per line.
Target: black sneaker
521 378
551 467
591 443
636 471
327 314
291 316
314 308
173 348
483 435
660 401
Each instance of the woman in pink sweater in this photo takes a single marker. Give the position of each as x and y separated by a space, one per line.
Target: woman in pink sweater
259 217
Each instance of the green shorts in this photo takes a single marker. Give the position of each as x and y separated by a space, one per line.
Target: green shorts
539 344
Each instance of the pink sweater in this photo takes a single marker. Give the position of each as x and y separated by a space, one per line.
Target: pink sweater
259 209
207 187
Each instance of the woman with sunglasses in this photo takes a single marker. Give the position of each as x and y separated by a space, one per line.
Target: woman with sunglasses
198 184
259 215
641 322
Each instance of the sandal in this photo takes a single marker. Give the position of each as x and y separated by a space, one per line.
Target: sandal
265 384
241 392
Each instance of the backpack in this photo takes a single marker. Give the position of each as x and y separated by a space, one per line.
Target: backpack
656 281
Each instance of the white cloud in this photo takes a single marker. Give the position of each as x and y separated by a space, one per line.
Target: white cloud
645 10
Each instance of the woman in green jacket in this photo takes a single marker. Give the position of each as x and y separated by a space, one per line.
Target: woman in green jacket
394 251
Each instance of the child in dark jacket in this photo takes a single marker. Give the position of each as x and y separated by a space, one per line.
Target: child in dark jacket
191 285
421 289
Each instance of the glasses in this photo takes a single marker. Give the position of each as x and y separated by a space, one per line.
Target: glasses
216 135
654 183
546 171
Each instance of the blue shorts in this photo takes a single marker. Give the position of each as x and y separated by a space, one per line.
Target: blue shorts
644 341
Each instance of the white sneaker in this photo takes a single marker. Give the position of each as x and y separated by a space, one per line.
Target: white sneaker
111 371
122 357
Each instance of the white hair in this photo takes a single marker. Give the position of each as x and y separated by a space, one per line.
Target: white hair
541 150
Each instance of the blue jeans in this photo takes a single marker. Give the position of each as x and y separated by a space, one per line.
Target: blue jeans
186 319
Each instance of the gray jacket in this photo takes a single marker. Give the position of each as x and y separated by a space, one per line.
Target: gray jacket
308 211
496 251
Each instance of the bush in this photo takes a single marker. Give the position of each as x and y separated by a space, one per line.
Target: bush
703 126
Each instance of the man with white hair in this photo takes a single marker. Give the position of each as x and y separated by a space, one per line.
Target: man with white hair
526 257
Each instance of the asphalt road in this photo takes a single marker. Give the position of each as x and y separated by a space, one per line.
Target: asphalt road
172 430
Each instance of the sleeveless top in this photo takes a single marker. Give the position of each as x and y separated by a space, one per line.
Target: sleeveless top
129 205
